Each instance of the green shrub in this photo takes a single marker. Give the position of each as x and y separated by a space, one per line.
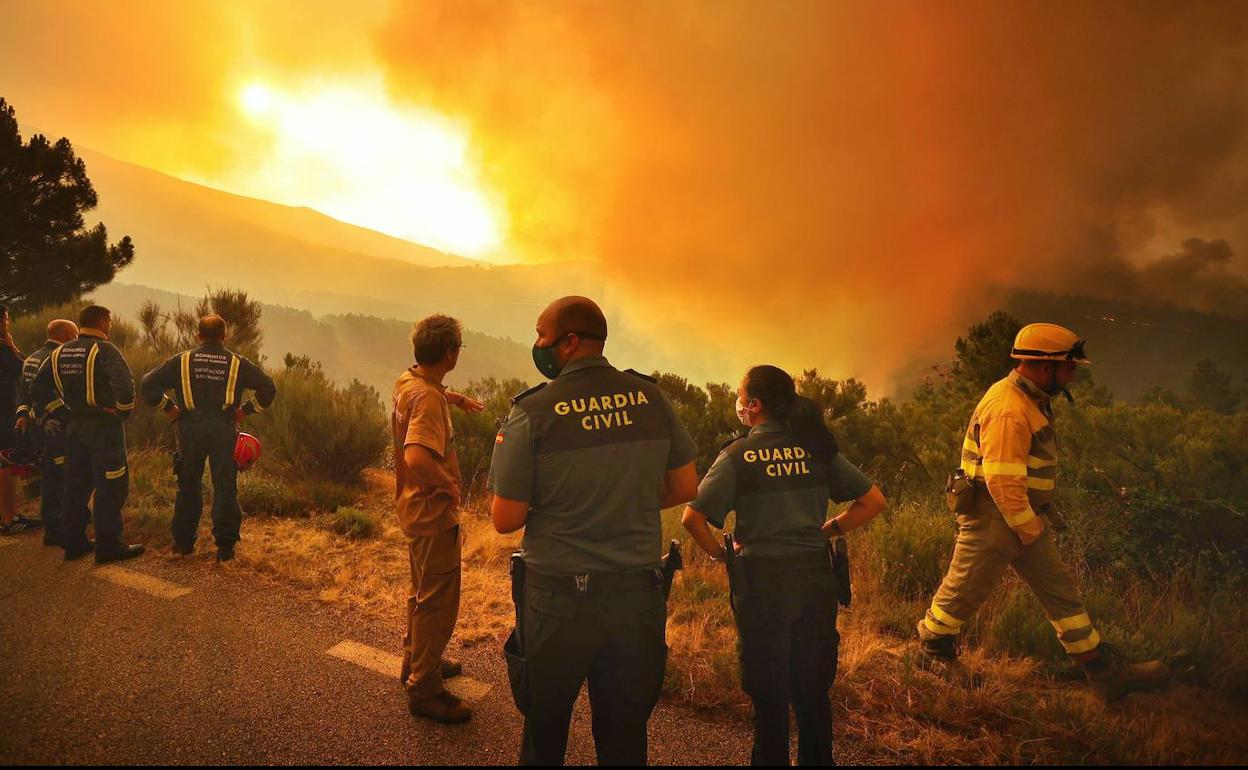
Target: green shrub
353 523
327 495
891 615
474 433
151 476
146 427
1018 626
320 430
258 493
908 547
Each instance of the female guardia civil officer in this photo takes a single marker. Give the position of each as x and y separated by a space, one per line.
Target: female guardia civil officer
779 478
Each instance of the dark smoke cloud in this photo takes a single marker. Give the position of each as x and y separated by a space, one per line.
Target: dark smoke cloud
842 185
1198 277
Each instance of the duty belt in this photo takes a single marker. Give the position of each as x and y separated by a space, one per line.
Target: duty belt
803 562
596 583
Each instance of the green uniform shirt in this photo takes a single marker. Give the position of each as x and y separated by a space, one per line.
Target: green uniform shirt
780 493
588 453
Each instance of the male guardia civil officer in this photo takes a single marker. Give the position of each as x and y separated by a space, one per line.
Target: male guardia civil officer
584 464
208 383
87 390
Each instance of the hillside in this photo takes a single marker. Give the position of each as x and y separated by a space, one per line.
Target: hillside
1135 347
189 237
371 349
165 212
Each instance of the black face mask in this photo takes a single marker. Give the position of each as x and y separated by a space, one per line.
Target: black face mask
1053 389
547 360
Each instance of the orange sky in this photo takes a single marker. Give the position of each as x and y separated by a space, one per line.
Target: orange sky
810 183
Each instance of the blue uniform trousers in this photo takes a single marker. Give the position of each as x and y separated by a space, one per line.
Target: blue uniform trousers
206 439
95 463
786 624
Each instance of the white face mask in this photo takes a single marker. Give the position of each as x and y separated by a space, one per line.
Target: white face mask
742 414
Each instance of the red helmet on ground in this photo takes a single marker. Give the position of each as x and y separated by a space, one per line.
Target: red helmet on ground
246 451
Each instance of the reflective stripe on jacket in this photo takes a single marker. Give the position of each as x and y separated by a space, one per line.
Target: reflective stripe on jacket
1011 447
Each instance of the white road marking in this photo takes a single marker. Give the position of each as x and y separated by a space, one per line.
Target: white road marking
466 688
384 663
140 582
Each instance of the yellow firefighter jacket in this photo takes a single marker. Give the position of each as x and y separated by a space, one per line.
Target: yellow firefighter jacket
1011 448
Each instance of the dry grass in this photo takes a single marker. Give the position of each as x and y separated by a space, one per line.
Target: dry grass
371 576
1026 711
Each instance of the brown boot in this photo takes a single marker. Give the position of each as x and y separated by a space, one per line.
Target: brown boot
450 669
940 657
442 707
1112 677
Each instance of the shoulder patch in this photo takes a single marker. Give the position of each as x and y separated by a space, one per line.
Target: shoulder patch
732 441
645 377
525 394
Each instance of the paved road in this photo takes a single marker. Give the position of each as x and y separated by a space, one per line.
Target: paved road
127 666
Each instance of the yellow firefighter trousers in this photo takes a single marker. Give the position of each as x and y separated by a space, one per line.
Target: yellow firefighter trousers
986 546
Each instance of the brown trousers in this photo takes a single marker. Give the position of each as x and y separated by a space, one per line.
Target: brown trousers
432 608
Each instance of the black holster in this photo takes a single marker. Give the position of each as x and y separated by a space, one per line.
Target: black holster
960 493
672 561
177 450
737 580
838 552
513 648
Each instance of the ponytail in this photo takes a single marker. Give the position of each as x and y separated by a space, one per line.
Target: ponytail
806 422
778 393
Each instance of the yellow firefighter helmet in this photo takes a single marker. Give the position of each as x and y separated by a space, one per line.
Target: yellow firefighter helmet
1048 342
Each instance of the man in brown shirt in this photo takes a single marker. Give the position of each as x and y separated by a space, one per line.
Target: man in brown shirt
426 501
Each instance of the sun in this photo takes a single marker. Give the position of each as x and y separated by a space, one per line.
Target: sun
346 150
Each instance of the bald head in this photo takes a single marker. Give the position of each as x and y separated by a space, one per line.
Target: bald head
212 328
62 331
576 315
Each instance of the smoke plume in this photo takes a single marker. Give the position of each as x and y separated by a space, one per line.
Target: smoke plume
847 185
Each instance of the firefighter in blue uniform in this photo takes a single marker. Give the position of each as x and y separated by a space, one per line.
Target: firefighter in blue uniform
779 478
208 383
30 427
584 464
87 390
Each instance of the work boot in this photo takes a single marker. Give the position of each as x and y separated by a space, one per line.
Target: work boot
225 552
183 549
1112 677
940 657
78 550
119 552
450 670
443 707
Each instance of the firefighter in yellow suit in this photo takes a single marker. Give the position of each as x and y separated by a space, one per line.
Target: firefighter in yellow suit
1005 517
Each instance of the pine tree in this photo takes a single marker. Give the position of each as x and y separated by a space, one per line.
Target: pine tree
47 255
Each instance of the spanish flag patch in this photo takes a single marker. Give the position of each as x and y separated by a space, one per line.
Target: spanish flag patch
499 438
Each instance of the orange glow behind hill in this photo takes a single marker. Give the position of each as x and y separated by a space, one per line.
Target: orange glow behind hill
343 148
